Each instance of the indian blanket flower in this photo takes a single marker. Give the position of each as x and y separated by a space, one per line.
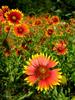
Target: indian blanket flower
54 20
7 28
49 31
72 21
37 22
14 16
60 47
21 30
5 9
40 71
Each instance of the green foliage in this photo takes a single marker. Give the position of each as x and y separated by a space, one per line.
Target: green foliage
13 86
63 8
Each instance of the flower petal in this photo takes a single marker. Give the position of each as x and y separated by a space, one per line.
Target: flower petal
54 78
31 79
30 70
52 63
43 85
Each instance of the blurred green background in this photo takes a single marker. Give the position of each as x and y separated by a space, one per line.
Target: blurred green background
64 8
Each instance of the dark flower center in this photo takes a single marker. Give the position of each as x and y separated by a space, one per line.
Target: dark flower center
20 29
42 72
50 31
59 49
55 19
5 10
8 28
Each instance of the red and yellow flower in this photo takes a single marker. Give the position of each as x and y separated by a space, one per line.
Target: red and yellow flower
49 31
37 22
2 19
21 30
5 9
14 16
54 20
40 72
7 28
60 47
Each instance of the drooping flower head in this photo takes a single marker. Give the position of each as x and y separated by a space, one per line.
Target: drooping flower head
14 16
60 47
21 30
40 71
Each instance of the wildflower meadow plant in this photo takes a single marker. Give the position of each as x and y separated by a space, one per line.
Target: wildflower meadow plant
39 71
37 56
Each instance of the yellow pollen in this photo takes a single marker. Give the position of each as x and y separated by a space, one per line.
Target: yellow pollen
42 70
14 17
